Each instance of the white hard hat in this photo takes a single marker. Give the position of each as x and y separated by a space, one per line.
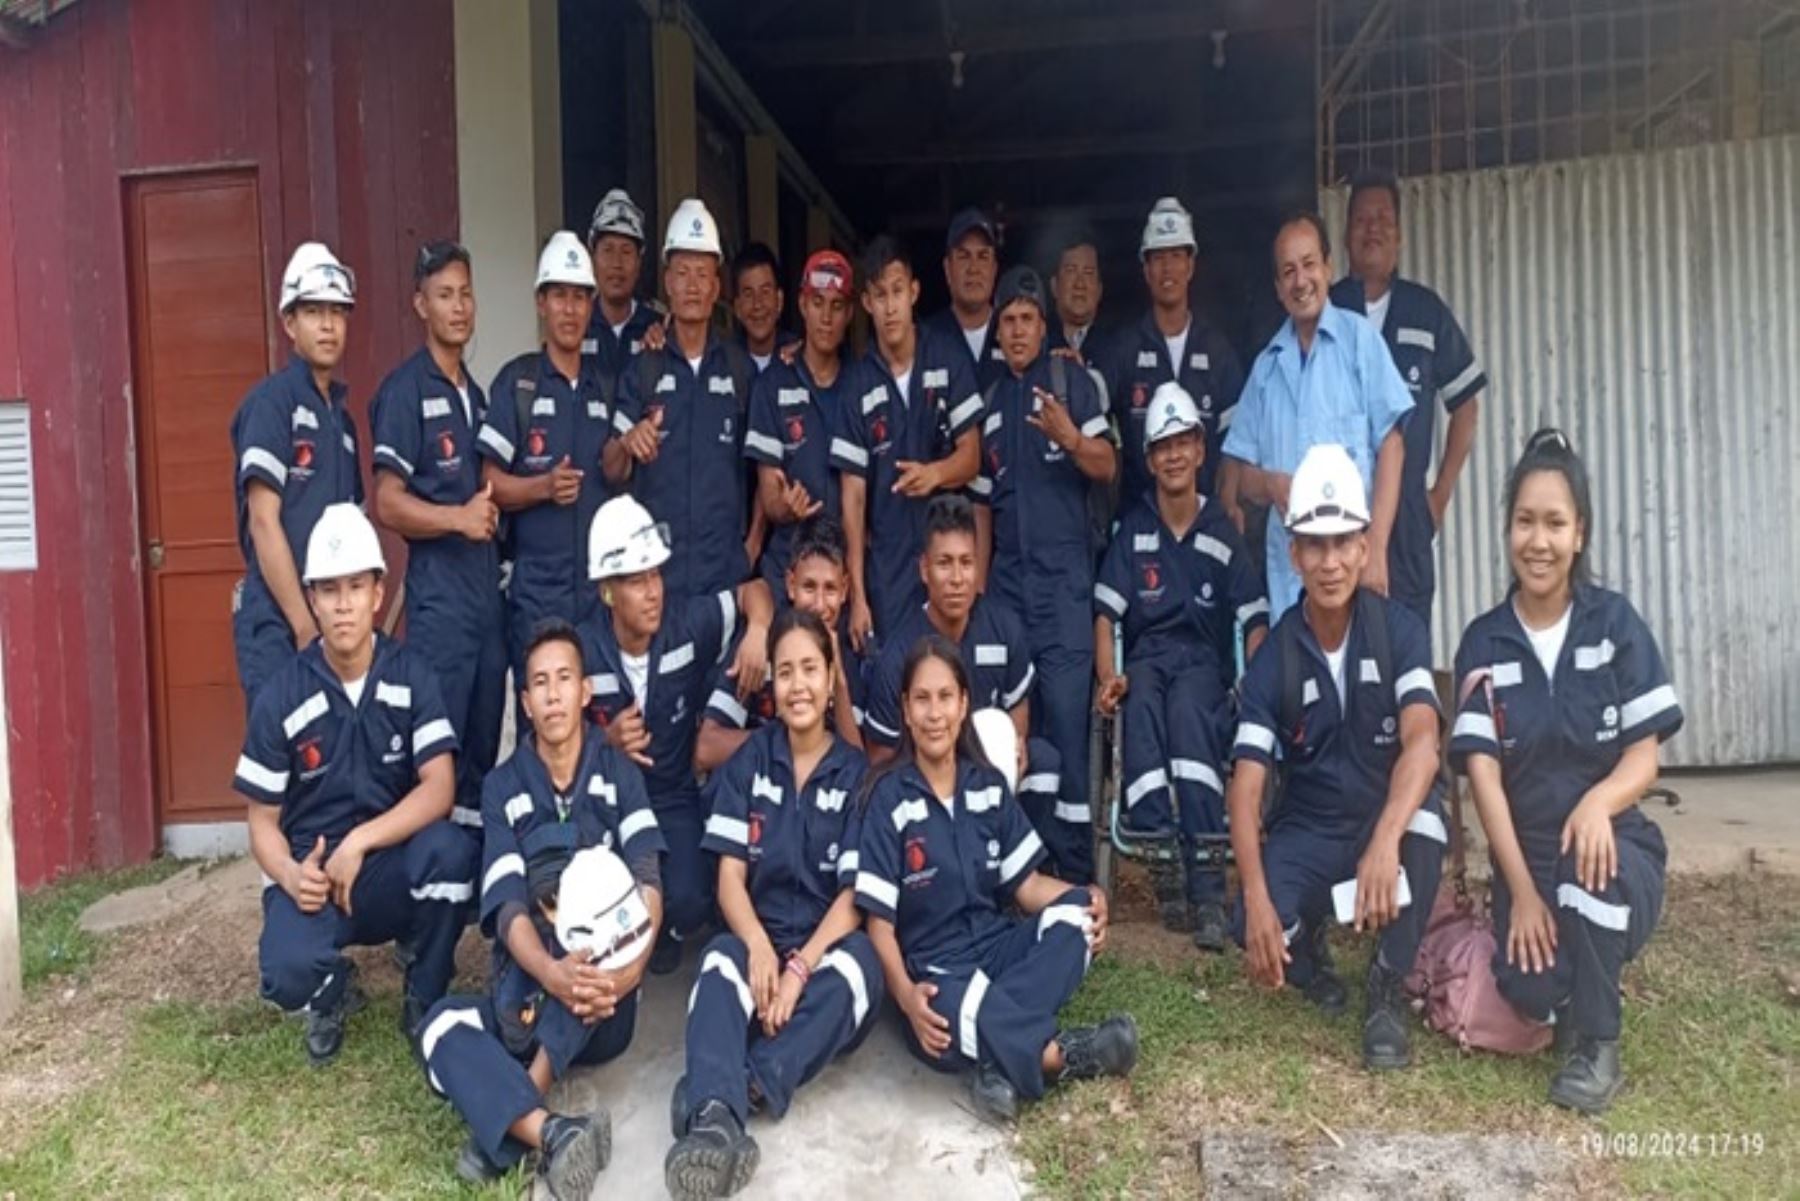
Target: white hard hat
617 214
624 540
1169 225
599 910
314 273
999 740
565 261
1327 494
1172 411
342 543
691 227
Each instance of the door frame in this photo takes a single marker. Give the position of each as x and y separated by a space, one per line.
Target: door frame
133 186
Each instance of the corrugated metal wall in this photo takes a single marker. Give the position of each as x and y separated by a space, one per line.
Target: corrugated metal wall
1649 305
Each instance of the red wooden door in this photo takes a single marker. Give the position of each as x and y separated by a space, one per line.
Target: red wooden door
198 334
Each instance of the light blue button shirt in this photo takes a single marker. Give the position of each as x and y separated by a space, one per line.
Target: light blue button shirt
1346 391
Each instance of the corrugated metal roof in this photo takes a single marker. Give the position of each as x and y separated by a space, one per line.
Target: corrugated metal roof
1649 305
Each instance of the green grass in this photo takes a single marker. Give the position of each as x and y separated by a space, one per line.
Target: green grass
51 940
219 1102
1712 1045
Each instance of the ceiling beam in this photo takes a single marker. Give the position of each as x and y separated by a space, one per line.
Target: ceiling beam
1194 22
1014 150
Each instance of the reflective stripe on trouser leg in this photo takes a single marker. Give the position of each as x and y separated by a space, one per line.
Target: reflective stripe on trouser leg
1535 995
1145 749
1059 712
1058 821
1197 717
1422 858
440 862
465 1061
835 1011
720 1014
1011 1004
1599 930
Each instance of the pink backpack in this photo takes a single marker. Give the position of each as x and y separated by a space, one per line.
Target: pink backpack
1453 977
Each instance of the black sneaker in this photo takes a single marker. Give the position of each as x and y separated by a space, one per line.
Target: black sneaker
473 1165
1590 1077
1109 1049
1211 930
325 1027
992 1094
1386 1044
572 1154
678 1109
715 1158
666 957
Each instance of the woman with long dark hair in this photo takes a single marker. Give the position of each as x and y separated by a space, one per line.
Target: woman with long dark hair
794 983
947 854
1565 702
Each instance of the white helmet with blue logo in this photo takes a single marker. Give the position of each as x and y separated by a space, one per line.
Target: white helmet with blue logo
1172 411
565 261
691 227
1327 495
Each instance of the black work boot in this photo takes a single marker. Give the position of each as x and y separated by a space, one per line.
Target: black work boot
1324 988
1386 1044
325 1027
412 1015
1211 930
992 1094
1171 896
1590 1076
572 1154
715 1158
473 1165
1109 1049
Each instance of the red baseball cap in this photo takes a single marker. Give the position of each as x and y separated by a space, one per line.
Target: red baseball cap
828 272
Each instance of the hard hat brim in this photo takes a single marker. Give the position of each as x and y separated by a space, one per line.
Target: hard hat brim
1327 526
1185 427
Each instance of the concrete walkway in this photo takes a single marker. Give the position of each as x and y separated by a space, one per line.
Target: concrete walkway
877 1124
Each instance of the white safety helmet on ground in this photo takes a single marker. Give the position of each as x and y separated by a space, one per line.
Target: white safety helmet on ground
342 543
565 261
1327 494
314 273
600 910
1169 225
624 540
1172 411
617 214
691 227
999 740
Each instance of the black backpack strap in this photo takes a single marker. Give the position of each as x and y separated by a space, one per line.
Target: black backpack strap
649 367
1059 378
524 396
1371 613
1293 676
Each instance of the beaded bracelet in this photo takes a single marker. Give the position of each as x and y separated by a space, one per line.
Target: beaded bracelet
797 965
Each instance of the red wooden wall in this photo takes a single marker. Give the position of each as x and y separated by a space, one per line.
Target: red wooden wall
347 110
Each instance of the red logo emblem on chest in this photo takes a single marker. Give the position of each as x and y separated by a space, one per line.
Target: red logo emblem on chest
765 702
1140 396
534 443
878 430
756 825
915 854
303 454
446 445
1152 576
796 429
311 757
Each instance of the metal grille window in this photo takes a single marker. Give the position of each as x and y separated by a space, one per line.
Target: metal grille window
1430 86
18 516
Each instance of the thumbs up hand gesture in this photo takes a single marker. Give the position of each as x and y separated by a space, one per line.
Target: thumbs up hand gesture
480 516
307 882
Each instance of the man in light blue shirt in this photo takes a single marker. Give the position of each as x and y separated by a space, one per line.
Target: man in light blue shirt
1324 377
